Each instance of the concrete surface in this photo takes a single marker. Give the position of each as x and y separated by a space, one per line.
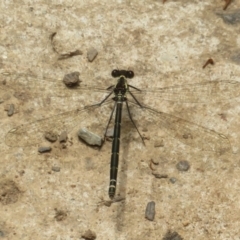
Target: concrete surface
164 44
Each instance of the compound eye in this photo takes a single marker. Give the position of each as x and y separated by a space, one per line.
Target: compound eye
130 74
115 73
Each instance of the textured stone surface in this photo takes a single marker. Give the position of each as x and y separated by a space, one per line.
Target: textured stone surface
164 44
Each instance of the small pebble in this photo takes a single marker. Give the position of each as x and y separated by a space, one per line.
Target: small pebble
159 175
150 211
11 110
44 149
91 54
71 79
90 137
173 180
51 136
172 236
56 169
231 18
63 137
89 235
183 166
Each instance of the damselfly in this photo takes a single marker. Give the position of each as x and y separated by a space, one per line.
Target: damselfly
185 131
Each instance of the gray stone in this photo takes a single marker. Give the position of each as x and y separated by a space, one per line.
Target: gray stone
71 79
44 149
89 137
150 211
91 54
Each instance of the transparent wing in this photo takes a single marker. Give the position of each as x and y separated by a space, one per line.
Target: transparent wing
33 133
33 86
214 91
187 132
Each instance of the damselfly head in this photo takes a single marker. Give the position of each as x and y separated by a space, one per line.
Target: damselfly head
127 74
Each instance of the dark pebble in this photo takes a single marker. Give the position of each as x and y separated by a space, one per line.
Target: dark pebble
44 149
159 175
56 169
11 110
183 166
173 180
150 211
71 79
172 236
89 235
231 18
